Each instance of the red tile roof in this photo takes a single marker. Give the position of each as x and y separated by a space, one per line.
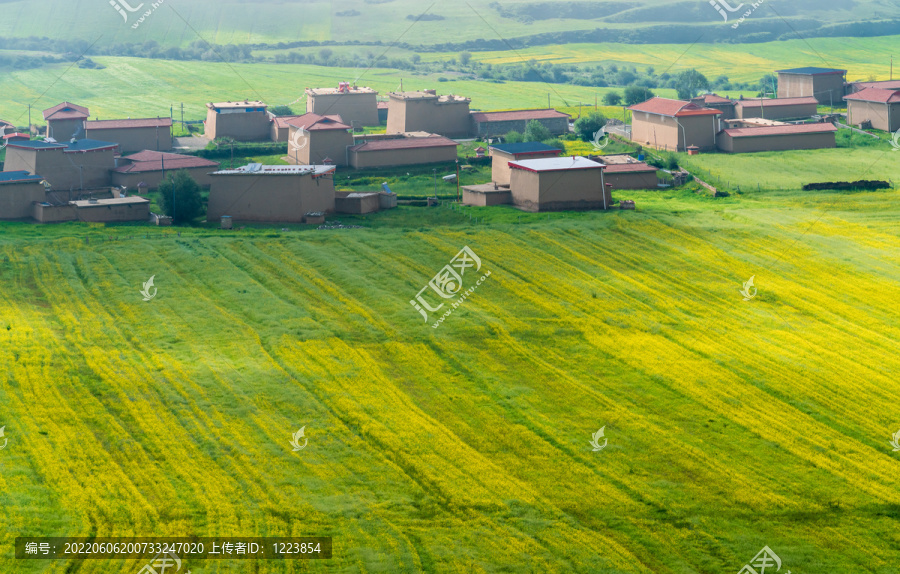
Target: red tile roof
715 99
66 111
628 167
149 160
313 122
883 84
672 108
517 115
404 143
876 95
129 123
777 102
791 129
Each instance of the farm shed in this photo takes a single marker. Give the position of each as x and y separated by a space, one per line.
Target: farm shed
404 149
66 121
314 138
356 203
826 85
357 106
18 191
502 154
559 183
82 164
777 138
488 124
425 111
132 135
132 208
776 108
486 194
637 175
271 192
879 106
281 129
673 124
244 121
149 167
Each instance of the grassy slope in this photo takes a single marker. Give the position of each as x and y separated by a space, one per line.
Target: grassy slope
731 425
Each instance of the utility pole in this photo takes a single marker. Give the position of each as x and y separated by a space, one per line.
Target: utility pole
182 118
29 121
548 100
457 181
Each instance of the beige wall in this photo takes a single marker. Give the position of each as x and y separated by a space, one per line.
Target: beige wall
427 115
361 108
576 189
242 126
322 144
106 213
64 130
796 86
483 199
153 178
500 164
279 134
557 126
57 167
282 198
357 205
135 139
859 111
776 112
387 158
775 143
632 180
16 199
54 213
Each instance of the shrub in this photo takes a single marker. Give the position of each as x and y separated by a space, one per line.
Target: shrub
587 126
180 196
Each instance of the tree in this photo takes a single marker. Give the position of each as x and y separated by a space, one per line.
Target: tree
587 126
690 83
513 137
325 54
180 196
281 111
768 82
535 131
637 94
415 58
612 98
465 58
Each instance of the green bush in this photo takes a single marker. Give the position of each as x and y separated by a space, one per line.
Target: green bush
180 196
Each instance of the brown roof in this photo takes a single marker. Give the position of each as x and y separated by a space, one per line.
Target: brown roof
66 111
129 123
404 143
381 105
514 115
628 167
313 122
281 122
883 84
790 129
776 102
715 99
149 160
876 95
672 108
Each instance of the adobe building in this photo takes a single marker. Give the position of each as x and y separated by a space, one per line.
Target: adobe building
150 168
246 121
272 193
776 108
490 124
357 106
425 111
117 209
79 165
624 172
66 121
879 106
281 129
826 85
673 125
317 140
402 149
132 135
777 138
558 183
716 102
19 190
486 195
502 154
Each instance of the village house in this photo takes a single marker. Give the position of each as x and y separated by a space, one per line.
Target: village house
876 105
490 124
272 193
117 209
777 138
673 125
776 108
502 154
558 183
826 85
243 121
77 165
716 102
66 121
145 170
402 149
624 172
132 135
280 128
357 106
316 140
18 191
425 111
882 84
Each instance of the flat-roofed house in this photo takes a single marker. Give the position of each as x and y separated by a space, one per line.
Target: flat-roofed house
426 111
132 134
79 165
132 208
776 108
489 124
275 193
502 154
559 183
879 106
637 175
244 121
673 125
19 190
66 121
824 84
777 138
403 149
316 140
149 168
357 106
